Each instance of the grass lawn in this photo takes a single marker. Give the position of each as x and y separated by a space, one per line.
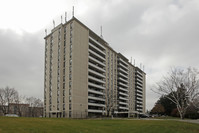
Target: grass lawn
52 125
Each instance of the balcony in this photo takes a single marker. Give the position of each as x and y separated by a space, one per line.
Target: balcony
126 90
96 92
121 74
97 86
122 70
97 73
96 104
124 94
139 84
138 91
124 85
120 59
126 81
140 95
97 43
138 72
122 98
97 49
125 67
95 111
138 87
96 61
97 67
123 103
124 108
96 98
97 55
96 79
138 76
139 80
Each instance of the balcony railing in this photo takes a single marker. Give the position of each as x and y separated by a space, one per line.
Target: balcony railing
122 70
97 49
97 43
120 59
96 104
126 81
96 98
97 67
120 88
95 111
138 76
121 74
97 61
97 86
96 54
123 98
126 67
123 108
96 79
96 92
120 83
123 103
97 73
124 94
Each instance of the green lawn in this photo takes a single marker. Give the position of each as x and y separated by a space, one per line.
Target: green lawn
52 125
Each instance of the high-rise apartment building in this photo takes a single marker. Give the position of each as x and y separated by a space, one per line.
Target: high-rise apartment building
85 77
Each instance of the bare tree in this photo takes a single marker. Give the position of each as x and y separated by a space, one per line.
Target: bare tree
7 95
2 101
34 103
183 85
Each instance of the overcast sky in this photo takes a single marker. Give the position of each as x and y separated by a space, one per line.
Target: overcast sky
157 33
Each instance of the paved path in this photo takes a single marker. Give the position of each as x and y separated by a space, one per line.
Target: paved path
191 121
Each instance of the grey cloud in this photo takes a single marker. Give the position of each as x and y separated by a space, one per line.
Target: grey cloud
21 58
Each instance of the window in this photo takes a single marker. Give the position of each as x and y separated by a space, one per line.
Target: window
70 77
70 98
69 106
64 109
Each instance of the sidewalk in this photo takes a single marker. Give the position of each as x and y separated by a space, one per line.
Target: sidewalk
191 121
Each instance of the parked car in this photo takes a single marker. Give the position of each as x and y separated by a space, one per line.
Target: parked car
11 115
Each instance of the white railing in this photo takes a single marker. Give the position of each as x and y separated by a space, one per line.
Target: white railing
97 86
97 42
123 98
97 67
96 79
96 98
123 61
97 73
120 88
123 71
96 54
96 104
124 94
95 92
93 110
97 49
97 61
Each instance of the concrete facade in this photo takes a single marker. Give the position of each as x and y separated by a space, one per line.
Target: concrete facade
85 77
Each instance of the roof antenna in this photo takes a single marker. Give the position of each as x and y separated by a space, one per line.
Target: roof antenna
65 17
141 66
131 60
73 11
46 31
101 32
53 23
61 18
